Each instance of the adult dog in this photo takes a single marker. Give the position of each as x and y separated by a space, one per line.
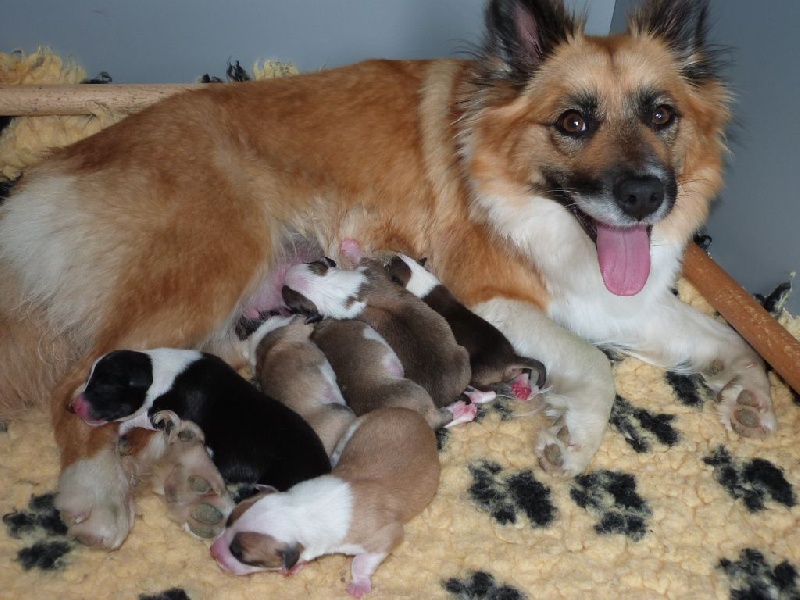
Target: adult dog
552 181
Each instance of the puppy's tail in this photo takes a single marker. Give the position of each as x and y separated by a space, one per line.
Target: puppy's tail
33 357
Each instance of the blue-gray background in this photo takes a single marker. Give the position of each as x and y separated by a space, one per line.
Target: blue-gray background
753 226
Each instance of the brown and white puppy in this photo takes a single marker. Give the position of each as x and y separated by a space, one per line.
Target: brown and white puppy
420 337
294 371
369 372
387 474
494 363
553 181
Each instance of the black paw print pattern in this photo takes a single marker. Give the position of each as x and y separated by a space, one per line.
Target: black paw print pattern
41 519
480 585
170 594
506 496
752 577
501 405
690 390
612 497
752 482
639 426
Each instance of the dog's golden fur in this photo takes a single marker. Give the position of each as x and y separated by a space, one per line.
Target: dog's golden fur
157 230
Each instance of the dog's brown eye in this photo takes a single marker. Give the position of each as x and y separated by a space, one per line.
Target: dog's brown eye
572 123
662 116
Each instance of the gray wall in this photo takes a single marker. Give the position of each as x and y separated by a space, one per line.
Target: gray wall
140 41
754 225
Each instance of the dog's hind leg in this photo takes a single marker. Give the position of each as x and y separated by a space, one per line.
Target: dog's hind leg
580 389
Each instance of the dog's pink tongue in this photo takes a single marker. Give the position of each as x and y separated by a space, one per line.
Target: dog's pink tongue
624 255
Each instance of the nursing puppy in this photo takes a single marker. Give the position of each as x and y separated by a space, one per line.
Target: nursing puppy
387 474
493 361
252 438
421 338
553 181
371 375
294 371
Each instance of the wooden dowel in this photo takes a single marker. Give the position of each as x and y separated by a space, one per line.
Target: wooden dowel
761 330
83 99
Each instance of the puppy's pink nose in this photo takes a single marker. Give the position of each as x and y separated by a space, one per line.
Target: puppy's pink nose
80 407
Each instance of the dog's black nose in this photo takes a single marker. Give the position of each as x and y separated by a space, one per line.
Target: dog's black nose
639 197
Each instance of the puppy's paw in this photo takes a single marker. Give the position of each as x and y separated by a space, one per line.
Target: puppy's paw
167 421
745 405
462 413
95 502
358 588
192 486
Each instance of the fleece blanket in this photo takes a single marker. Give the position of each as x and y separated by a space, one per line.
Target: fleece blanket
672 506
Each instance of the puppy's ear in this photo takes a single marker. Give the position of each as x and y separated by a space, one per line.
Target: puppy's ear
521 34
683 26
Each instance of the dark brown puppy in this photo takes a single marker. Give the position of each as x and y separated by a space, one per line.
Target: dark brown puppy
494 362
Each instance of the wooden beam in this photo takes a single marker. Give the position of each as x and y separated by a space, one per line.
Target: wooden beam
761 330
84 99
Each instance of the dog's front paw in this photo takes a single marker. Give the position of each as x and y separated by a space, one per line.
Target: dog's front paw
195 493
95 502
745 405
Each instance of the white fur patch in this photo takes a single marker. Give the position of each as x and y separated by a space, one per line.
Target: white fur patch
168 363
60 254
316 513
422 281
333 293
390 361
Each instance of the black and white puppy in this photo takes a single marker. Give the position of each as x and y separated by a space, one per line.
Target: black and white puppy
252 437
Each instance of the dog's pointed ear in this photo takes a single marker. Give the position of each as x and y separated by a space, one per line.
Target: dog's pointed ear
683 26
523 33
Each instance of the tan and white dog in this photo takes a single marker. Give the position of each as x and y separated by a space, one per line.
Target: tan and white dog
387 473
553 181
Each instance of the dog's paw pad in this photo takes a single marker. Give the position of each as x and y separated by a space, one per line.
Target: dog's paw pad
746 413
199 484
207 514
552 459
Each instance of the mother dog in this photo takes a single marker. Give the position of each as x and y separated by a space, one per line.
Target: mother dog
552 181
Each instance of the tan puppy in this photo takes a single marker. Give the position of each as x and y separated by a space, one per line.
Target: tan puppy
370 373
293 370
387 474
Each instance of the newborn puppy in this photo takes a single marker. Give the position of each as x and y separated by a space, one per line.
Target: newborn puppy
387 474
294 371
369 372
493 360
252 438
420 336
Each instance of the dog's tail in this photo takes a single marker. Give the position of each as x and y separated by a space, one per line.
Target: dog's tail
33 357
